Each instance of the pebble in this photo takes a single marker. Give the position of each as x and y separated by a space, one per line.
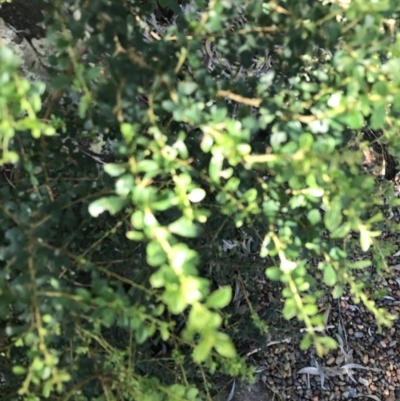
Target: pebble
330 360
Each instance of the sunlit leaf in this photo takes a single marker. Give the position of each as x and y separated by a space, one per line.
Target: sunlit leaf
111 204
355 119
184 227
220 298
289 309
114 169
330 275
274 273
197 195
224 345
203 349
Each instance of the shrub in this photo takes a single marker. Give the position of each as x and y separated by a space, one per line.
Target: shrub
232 137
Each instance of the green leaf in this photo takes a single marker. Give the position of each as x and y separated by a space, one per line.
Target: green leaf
220 298
173 298
92 73
274 273
365 239
250 195
11 157
355 120
148 166
137 219
171 4
310 309
337 292
314 216
305 341
335 99
317 192
333 216
360 264
164 201
156 255
270 208
224 346
124 184
203 349
19 370
197 195
127 132
380 88
278 138
158 279
328 342
112 204
216 167
141 333
47 388
187 88
192 394
164 332
84 104
207 143
135 235
108 317
289 309
306 140
38 364
61 81
341 231
192 288
178 390
184 227
114 169
378 117
330 275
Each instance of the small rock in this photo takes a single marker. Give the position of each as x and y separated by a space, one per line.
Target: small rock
330 360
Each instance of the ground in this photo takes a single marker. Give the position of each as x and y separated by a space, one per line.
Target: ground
247 392
26 16
21 27
365 366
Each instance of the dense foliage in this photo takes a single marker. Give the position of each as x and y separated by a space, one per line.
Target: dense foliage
233 135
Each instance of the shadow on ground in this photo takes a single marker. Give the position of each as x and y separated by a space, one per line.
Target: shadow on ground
247 392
